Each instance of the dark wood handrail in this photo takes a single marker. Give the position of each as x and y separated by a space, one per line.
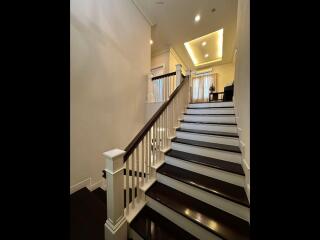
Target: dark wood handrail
138 138
164 75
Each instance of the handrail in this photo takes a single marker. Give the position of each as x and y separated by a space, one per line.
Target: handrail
138 138
164 75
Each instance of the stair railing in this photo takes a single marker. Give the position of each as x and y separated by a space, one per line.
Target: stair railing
139 160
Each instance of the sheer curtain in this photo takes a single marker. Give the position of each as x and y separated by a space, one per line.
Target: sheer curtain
158 84
200 87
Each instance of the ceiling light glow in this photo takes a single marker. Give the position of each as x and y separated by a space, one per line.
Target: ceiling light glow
197 18
151 42
206 55
204 43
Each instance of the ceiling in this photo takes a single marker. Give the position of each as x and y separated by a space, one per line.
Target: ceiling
173 24
207 49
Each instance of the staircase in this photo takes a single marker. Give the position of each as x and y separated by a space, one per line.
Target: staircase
185 169
200 184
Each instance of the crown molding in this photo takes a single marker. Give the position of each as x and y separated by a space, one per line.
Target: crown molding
143 13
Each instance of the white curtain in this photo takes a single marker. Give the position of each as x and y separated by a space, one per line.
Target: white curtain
158 84
200 87
158 90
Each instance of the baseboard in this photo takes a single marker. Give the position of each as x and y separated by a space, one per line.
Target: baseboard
87 183
246 169
96 185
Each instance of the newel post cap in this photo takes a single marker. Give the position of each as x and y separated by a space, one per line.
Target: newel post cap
114 153
178 67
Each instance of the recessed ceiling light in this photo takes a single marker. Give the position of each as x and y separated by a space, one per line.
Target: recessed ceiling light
204 43
197 18
206 55
151 42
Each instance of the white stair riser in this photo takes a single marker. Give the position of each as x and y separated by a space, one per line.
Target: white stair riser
210 127
211 111
213 104
208 152
226 205
209 138
181 221
225 176
213 119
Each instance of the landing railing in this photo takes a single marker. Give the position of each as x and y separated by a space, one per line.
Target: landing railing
163 86
140 159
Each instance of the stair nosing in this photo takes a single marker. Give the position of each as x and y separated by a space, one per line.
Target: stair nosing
234 151
241 173
214 134
208 123
190 218
210 114
204 188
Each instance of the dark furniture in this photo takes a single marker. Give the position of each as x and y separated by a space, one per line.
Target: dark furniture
228 93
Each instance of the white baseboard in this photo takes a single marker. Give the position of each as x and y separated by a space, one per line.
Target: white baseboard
88 184
246 169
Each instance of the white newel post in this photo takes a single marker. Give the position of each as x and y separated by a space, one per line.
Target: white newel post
189 86
116 224
178 74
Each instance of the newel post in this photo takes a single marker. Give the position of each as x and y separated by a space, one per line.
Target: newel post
116 224
178 74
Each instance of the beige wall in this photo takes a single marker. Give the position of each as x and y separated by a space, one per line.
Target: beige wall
174 59
242 81
161 59
225 75
110 61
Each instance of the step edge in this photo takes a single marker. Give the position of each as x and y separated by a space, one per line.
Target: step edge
206 189
207 165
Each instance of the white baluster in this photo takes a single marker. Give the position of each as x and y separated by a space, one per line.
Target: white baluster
127 185
142 157
138 172
133 179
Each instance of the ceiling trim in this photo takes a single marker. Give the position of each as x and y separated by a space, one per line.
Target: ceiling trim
138 6
157 53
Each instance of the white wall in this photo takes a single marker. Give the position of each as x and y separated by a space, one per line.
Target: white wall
242 82
110 61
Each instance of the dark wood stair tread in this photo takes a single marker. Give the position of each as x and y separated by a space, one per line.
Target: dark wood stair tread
151 225
226 134
212 123
87 216
207 161
221 223
223 189
224 147
216 101
217 107
211 114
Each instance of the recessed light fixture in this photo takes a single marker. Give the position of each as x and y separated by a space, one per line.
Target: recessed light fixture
151 42
197 18
206 55
204 43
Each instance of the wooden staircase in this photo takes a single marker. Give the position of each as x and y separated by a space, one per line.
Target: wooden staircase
185 168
